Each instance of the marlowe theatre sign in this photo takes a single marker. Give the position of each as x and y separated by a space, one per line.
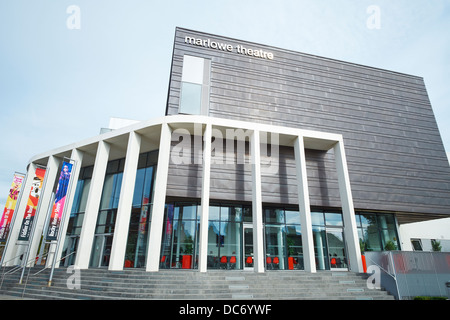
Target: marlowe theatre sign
207 43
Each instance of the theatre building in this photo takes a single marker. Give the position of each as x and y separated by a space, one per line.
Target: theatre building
266 159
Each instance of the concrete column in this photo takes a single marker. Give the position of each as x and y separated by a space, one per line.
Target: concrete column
348 211
162 171
77 157
204 217
257 214
92 206
120 238
304 206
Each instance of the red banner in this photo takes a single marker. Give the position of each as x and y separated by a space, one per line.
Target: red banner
32 204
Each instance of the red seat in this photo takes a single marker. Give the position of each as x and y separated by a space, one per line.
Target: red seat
276 260
223 259
249 260
233 259
129 264
268 260
333 261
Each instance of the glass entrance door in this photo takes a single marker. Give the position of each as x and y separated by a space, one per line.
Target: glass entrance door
70 246
101 250
336 249
248 247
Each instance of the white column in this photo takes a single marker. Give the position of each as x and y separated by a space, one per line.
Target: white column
203 252
76 156
258 243
13 250
304 205
92 206
348 211
159 196
120 238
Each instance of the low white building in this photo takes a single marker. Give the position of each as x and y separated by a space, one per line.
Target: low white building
420 235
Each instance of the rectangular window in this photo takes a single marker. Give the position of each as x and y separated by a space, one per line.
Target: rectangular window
191 98
283 239
140 220
194 96
377 232
193 69
179 246
224 237
275 247
417 244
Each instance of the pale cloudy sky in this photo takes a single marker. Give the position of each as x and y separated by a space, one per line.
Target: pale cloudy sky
61 85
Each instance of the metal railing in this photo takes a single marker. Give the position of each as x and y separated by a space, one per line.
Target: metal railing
11 271
43 269
26 265
408 274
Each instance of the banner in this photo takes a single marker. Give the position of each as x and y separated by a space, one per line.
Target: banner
32 204
10 206
60 200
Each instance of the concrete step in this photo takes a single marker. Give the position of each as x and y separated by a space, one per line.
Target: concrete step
182 284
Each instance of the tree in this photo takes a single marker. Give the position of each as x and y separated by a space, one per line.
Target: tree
436 245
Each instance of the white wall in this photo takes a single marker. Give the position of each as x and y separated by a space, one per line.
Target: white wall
434 229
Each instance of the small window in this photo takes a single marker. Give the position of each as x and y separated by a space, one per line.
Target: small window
417 244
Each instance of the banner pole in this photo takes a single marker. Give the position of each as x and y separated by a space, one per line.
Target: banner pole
13 220
63 217
44 232
33 227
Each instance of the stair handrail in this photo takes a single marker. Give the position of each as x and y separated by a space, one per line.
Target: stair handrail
28 275
386 271
13 270
17 268
31 260
56 262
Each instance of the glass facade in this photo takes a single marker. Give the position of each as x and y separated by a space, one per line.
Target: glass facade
230 237
377 231
179 246
225 237
106 219
136 251
140 215
283 239
77 215
230 229
329 242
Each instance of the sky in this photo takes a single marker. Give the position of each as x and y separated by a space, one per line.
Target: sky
64 73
